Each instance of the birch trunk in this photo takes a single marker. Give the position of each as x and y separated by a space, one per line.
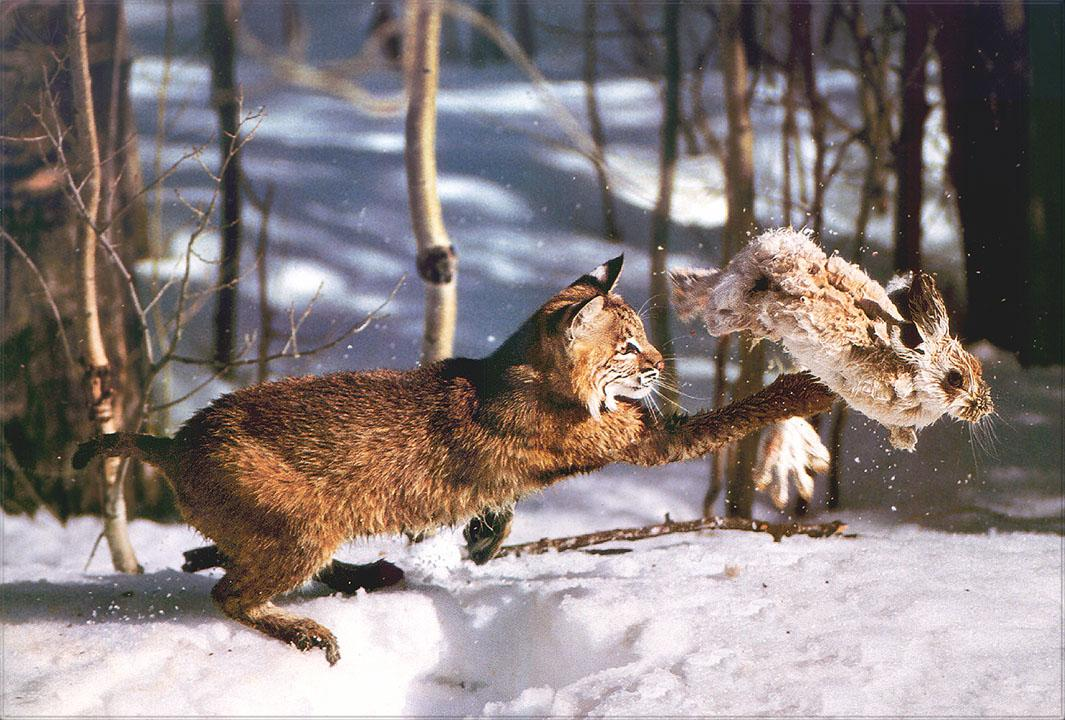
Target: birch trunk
98 371
436 257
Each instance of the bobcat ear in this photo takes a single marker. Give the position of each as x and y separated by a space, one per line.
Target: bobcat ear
586 316
604 277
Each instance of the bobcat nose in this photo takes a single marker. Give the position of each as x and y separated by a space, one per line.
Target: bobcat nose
649 375
660 366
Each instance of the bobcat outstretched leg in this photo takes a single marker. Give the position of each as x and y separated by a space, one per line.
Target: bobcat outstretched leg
683 437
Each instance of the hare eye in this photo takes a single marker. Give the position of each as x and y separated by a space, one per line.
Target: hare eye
954 379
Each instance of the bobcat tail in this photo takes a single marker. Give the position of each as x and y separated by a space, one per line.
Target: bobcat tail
150 448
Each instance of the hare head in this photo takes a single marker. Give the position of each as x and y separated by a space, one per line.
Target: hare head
948 378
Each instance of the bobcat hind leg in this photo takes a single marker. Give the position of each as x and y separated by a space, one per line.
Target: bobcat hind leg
244 594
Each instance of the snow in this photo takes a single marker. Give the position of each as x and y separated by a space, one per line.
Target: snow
948 601
899 620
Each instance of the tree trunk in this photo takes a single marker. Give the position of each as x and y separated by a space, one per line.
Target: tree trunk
595 122
1045 266
392 47
667 167
524 25
436 256
43 410
739 182
220 28
293 30
802 46
909 163
98 368
483 50
983 56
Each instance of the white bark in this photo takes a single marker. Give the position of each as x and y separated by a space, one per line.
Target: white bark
436 256
98 375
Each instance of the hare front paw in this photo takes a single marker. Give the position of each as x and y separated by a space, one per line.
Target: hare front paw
790 452
903 438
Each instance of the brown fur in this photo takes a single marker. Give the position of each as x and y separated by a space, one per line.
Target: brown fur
280 474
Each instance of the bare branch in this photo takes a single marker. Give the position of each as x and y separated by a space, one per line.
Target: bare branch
47 294
329 82
295 325
352 330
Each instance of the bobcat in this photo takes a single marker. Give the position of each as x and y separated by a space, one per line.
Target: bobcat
280 474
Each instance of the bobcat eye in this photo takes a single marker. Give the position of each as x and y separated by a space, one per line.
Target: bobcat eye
954 379
630 348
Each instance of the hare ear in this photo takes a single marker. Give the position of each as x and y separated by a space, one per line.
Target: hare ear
926 308
604 277
691 290
898 291
586 316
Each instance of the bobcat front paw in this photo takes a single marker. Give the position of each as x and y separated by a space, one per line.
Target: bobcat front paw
485 533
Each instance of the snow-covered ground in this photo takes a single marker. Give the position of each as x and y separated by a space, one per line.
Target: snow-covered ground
947 602
897 621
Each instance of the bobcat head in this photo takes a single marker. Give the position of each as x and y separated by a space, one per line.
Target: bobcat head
590 345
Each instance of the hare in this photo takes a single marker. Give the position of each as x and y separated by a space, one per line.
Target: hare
887 352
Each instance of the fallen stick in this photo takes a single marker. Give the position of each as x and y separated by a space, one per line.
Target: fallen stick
777 530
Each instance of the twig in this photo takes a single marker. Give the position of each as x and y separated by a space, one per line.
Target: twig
19 476
295 325
328 82
47 294
777 530
352 330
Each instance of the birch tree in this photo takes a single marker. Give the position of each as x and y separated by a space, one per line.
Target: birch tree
98 367
436 259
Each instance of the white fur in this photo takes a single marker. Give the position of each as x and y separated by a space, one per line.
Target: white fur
787 454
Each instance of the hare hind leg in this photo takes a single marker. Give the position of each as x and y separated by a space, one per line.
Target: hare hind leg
244 594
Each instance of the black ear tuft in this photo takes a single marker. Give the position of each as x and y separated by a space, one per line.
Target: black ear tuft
604 277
